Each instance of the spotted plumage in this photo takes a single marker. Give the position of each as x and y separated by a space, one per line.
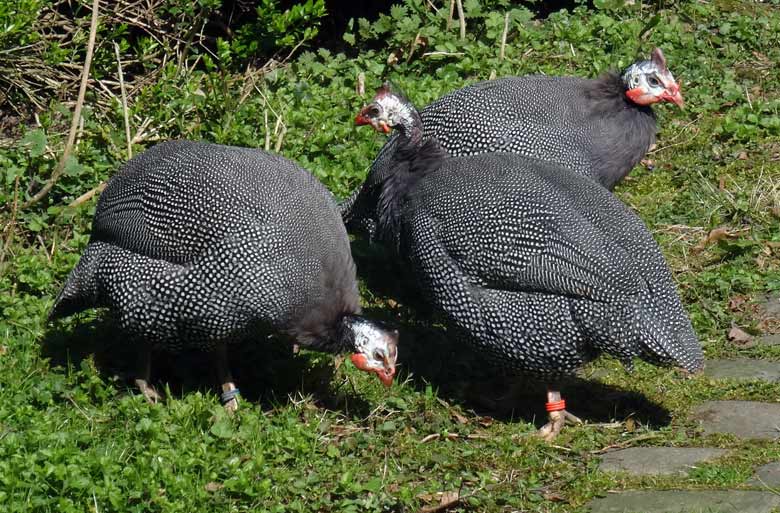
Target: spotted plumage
539 267
197 245
599 128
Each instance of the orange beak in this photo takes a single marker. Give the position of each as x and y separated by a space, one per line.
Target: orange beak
385 374
673 94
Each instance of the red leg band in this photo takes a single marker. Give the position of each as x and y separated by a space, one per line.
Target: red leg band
556 406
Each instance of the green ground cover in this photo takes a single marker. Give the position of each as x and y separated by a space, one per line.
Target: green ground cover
315 435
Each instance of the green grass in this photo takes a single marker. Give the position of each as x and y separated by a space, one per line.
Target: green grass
316 436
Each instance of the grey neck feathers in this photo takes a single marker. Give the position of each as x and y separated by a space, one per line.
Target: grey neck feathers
412 160
628 129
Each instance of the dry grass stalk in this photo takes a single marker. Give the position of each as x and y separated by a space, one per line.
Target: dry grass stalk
461 19
76 122
503 37
124 102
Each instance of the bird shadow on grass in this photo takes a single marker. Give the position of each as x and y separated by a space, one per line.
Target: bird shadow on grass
460 374
269 374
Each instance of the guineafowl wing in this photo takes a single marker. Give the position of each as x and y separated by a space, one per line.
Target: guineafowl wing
506 225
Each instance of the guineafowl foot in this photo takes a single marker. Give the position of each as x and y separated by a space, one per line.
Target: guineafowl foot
230 396
144 374
229 388
558 416
148 391
557 420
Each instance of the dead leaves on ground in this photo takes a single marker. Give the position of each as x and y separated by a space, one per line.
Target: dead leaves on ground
444 500
756 312
740 337
717 234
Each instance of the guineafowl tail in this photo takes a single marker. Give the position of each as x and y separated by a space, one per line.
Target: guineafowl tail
81 288
647 326
667 337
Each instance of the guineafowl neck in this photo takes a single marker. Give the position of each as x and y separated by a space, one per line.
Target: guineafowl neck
625 130
411 128
347 327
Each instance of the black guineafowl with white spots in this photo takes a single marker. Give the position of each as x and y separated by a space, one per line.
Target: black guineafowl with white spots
599 128
197 245
539 267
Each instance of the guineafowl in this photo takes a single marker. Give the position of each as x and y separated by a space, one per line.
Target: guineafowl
540 268
600 128
197 245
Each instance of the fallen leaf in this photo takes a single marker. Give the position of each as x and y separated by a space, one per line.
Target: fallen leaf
460 418
742 155
648 163
446 500
722 183
554 497
736 303
486 421
213 487
3 350
739 336
714 236
630 425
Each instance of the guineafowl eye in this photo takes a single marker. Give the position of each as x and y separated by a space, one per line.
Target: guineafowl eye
653 81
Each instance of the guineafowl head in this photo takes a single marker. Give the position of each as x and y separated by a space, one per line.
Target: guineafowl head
390 109
375 346
649 82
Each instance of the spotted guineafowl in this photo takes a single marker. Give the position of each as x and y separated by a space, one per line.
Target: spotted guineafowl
539 267
197 245
599 128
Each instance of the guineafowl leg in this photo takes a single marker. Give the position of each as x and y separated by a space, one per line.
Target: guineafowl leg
144 373
558 416
229 389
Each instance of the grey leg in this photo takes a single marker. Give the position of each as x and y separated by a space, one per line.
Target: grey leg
144 372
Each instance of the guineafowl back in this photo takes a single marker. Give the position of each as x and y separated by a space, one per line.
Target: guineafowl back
201 243
588 126
584 125
541 267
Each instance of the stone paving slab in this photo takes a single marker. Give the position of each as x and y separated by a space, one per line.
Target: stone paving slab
768 340
769 306
684 501
743 368
744 419
663 461
766 475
